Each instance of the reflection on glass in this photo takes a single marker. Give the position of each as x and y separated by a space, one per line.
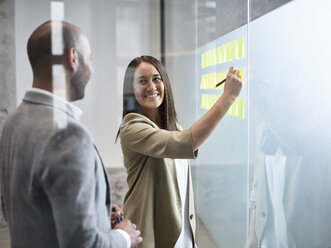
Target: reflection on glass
59 85
290 197
57 14
58 70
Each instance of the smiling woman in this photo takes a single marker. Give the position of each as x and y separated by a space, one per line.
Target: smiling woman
156 151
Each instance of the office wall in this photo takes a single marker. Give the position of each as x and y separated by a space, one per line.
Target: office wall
7 58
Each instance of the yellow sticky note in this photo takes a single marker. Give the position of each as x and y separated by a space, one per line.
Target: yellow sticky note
206 101
214 99
218 55
203 101
214 57
241 73
210 58
202 84
218 79
206 59
223 77
212 80
240 52
223 74
202 60
240 107
210 101
234 107
231 50
229 110
223 54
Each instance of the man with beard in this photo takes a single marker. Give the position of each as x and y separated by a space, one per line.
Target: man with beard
54 186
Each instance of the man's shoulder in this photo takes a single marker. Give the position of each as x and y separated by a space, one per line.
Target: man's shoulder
69 133
43 120
70 144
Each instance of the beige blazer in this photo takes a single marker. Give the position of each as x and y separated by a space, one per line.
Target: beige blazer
153 200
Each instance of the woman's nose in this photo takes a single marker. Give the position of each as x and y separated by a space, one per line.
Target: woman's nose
150 85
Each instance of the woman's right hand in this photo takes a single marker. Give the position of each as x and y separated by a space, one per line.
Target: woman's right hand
233 83
202 128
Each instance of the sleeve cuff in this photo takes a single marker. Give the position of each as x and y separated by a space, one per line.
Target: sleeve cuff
126 236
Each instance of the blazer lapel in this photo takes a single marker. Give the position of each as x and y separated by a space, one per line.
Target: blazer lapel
108 196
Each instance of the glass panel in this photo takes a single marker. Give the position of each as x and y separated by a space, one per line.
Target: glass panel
221 172
290 118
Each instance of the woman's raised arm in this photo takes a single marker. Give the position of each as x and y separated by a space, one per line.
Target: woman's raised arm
202 128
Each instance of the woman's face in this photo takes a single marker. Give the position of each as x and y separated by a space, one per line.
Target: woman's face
148 87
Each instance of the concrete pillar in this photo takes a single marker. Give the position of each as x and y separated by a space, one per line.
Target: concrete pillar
7 80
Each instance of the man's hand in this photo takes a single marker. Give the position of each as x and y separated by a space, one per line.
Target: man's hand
116 214
130 228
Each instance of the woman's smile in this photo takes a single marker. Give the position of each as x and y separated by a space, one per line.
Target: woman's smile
152 95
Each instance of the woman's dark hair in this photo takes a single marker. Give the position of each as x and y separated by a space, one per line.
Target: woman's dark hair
130 104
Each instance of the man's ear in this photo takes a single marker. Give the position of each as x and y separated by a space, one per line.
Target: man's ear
72 59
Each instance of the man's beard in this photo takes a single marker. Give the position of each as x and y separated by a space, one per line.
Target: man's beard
79 81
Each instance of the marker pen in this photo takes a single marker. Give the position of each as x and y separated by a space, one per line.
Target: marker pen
117 218
223 81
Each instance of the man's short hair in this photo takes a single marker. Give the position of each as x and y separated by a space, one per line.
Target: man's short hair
39 46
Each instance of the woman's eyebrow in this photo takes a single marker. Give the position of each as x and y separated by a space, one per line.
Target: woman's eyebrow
140 77
143 77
